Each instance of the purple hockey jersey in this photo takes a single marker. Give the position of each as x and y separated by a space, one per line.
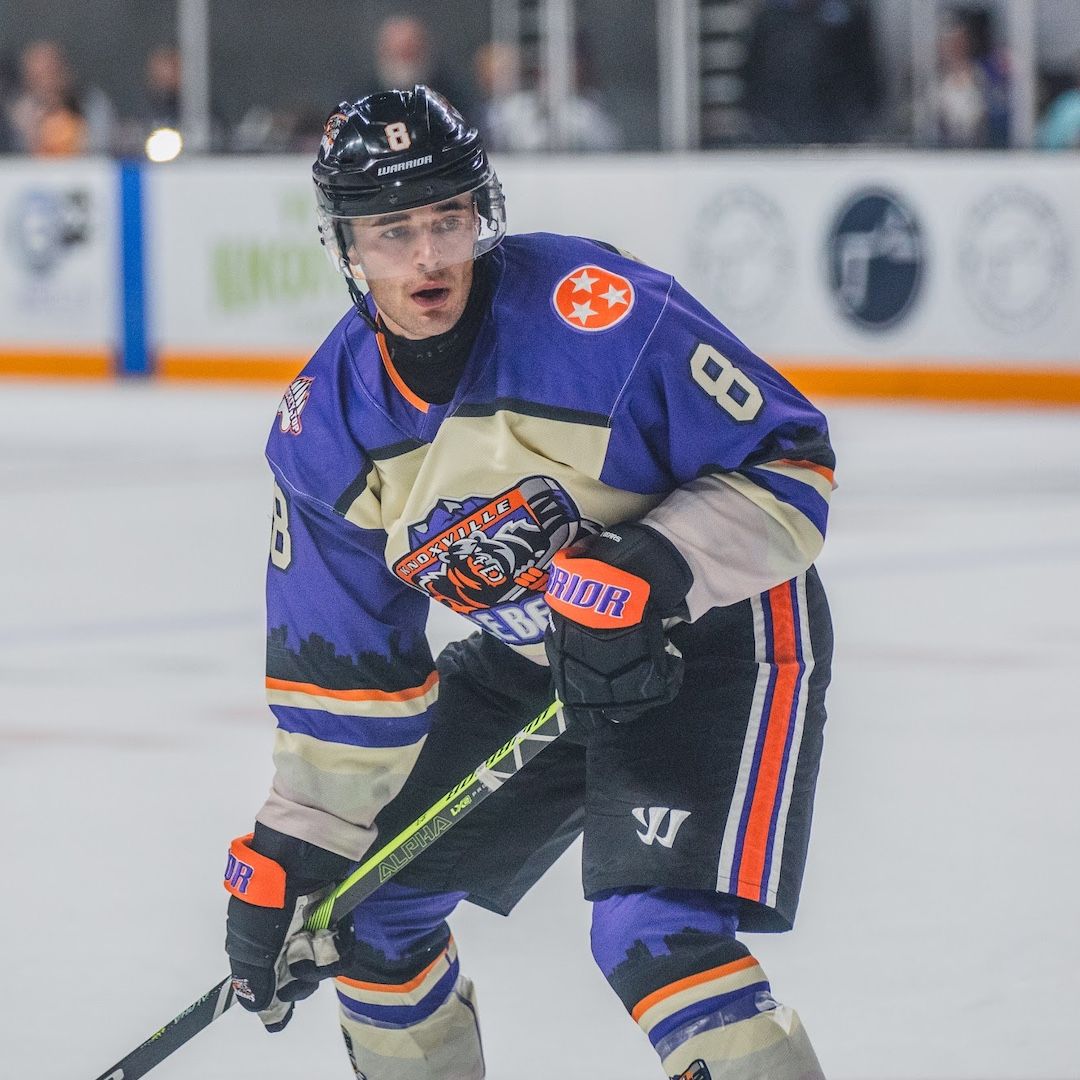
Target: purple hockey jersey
597 391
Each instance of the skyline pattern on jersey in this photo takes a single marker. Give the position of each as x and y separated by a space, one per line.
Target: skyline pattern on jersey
552 432
403 1003
674 961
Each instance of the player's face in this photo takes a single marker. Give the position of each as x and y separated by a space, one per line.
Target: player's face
418 264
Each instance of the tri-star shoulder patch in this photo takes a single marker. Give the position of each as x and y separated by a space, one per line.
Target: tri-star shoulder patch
591 298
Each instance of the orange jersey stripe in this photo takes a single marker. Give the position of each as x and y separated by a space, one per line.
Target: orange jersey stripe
766 786
396 379
399 988
354 695
821 470
646 1003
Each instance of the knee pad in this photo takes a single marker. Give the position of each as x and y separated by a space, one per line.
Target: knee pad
440 1044
771 1045
407 1013
703 1001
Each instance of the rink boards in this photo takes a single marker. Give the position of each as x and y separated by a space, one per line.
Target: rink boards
862 273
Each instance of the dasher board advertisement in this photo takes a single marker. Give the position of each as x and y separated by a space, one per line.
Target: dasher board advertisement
238 276
59 273
833 257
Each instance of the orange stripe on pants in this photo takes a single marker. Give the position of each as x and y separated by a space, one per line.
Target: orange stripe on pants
767 782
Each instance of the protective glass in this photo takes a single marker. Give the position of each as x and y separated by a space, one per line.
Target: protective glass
410 243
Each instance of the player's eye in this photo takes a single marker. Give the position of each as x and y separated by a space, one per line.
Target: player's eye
395 234
449 224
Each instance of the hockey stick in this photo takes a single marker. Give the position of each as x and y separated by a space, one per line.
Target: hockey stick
363 881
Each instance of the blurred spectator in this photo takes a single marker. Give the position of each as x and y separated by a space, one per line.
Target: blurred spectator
8 141
161 103
812 73
496 73
159 106
516 119
497 77
61 132
961 99
993 57
1060 126
293 129
49 115
405 56
306 129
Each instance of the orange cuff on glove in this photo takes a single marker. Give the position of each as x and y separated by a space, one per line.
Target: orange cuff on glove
252 877
595 593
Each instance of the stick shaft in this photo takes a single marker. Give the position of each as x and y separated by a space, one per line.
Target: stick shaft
512 756
464 797
174 1034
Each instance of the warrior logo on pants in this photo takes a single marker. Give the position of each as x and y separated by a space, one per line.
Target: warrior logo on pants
485 552
651 828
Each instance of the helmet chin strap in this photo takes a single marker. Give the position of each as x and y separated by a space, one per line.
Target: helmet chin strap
359 302
357 294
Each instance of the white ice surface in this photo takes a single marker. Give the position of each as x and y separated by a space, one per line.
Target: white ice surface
938 931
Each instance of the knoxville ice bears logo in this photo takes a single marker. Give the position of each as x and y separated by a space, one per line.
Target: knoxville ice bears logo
486 558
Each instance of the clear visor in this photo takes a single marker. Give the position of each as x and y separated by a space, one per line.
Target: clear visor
415 243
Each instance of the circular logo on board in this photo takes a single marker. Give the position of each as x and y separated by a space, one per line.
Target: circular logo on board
742 254
1014 259
876 257
44 225
592 298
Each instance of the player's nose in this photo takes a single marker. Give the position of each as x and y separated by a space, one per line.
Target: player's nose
426 252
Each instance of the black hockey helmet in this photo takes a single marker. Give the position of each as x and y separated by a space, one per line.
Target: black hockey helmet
397 151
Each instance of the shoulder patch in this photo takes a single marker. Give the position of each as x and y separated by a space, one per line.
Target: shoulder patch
591 298
292 404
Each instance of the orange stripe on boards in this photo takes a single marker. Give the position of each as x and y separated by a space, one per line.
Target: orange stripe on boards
226 367
55 364
399 988
767 783
646 1003
917 380
354 695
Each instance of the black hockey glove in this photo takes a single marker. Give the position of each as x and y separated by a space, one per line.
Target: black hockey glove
276 881
609 594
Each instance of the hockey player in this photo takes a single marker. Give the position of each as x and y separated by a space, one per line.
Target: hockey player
565 447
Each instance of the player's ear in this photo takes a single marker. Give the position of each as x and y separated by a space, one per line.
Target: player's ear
352 249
